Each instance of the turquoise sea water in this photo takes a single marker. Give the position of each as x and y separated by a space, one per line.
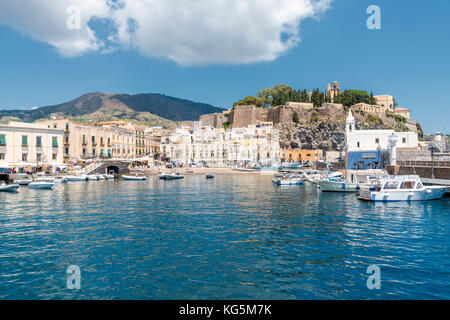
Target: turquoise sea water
232 237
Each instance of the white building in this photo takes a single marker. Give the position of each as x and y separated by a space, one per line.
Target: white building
365 148
30 145
255 144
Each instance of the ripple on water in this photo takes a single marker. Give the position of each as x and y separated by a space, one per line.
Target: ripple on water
233 237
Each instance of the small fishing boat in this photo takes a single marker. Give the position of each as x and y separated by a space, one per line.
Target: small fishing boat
402 188
210 176
76 178
45 179
109 176
189 171
288 181
136 177
41 185
22 182
171 176
59 180
93 177
8 187
354 183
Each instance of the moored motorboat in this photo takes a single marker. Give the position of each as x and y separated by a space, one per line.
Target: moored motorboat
8 187
210 176
76 178
288 181
170 176
22 182
93 177
136 177
41 185
402 188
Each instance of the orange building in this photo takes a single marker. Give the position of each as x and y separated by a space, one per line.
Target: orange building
300 155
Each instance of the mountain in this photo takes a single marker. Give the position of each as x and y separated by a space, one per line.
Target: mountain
149 108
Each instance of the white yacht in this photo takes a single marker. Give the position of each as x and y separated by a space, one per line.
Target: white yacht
355 184
170 176
77 178
135 177
41 185
23 182
8 187
402 188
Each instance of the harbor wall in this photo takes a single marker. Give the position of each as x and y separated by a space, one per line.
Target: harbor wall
440 172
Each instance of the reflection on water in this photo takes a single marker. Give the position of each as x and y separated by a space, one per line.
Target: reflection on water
233 237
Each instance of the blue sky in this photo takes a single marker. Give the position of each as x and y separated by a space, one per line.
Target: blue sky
408 58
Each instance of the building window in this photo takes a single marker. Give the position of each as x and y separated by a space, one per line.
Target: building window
93 139
67 127
2 156
404 140
84 151
54 126
358 144
377 140
55 156
84 140
24 141
67 139
55 142
38 141
38 157
2 140
93 152
66 151
24 157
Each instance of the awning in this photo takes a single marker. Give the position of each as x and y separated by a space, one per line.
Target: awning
23 164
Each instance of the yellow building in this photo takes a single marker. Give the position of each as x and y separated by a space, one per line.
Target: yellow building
82 141
139 132
290 155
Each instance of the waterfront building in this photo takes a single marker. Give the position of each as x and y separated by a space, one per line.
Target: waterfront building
140 147
152 136
290 155
30 145
203 144
370 148
83 142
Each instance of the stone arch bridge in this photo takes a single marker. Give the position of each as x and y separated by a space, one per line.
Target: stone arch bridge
118 167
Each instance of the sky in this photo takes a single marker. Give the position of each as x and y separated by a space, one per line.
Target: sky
219 51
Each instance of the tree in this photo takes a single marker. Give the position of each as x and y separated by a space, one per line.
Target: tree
295 118
373 101
351 97
250 100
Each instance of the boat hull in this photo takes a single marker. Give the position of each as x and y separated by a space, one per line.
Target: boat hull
41 185
133 178
9 188
340 186
428 193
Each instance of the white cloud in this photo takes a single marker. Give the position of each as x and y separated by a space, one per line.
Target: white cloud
190 32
